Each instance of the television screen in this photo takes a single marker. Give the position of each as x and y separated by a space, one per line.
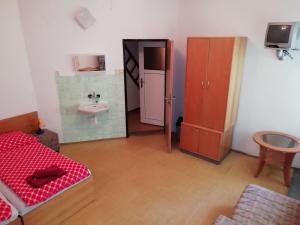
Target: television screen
279 33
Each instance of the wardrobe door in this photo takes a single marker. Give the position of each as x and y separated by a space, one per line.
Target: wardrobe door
189 138
217 84
209 144
196 68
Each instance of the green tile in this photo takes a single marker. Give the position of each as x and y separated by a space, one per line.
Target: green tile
73 90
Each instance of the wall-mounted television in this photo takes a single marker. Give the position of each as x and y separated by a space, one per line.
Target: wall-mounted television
285 35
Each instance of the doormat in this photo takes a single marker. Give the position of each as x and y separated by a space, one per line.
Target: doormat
294 190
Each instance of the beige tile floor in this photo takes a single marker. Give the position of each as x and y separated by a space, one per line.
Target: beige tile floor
138 183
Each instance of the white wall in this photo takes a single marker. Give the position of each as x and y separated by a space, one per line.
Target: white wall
16 90
133 95
270 88
52 35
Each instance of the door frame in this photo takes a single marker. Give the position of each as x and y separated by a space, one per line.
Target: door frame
125 77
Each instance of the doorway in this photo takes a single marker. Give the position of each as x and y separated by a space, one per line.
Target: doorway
144 69
148 79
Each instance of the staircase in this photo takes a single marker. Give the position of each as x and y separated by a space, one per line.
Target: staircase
131 66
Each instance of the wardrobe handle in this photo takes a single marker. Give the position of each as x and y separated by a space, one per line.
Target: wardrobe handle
207 83
202 84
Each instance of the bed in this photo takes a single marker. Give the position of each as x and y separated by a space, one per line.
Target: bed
50 207
8 213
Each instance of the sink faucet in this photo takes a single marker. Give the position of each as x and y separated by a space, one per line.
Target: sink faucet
94 97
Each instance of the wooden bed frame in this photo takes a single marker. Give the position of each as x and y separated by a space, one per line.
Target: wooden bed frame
61 207
27 123
17 221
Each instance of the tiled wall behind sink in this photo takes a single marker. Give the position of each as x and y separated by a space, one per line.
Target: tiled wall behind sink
73 90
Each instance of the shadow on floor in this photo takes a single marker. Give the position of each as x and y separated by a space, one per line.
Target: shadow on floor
135 127
294 190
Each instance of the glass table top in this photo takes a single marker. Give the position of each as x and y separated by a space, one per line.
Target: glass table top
280 141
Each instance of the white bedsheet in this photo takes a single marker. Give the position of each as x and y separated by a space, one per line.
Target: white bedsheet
20 205
14 211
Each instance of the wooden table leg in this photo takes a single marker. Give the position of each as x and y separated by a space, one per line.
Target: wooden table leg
262 160
287 167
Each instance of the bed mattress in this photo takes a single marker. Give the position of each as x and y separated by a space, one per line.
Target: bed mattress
20 206
7 210
17 164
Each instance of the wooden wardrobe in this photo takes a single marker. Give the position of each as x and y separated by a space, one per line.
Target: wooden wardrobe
214 69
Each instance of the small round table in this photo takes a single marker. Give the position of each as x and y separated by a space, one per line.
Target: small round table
277 148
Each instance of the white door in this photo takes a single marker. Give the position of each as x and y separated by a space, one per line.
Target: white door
152 81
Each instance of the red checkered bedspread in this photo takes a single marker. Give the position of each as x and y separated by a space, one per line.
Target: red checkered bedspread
5 211
19 163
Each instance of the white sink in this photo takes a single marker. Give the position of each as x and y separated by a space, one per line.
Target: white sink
93 109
